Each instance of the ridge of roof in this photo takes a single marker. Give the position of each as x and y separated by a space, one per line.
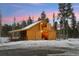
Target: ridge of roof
25 28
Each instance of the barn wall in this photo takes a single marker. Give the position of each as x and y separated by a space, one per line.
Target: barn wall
33 33
38 35
52 35
51 32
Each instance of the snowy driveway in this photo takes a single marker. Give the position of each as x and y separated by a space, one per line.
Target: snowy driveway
66 47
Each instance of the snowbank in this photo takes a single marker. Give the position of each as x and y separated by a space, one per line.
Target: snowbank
70 43
4 39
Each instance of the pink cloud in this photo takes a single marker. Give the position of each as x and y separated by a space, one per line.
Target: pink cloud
77 15
50 14
9 20
21 18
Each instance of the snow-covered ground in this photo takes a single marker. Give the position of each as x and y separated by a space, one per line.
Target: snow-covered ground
4 39
69 43
70 46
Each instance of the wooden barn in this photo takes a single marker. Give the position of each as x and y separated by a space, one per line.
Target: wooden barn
36 31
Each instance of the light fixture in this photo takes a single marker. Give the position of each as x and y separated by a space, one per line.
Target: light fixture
41 31
41 23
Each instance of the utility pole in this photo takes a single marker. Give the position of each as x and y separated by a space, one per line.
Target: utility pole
13 27
14 23
54 22
53 18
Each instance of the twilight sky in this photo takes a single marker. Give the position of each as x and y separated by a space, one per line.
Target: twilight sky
22 11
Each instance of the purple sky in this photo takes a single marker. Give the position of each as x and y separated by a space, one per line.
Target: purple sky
22 11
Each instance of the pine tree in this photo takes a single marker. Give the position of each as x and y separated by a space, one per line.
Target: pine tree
39 19
66 12
18 26
0 23
5 30
55 25
53 18
54 22
73 19
23 24
78 28
30 21
43 17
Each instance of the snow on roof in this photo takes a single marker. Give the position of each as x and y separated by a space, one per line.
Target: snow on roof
25 28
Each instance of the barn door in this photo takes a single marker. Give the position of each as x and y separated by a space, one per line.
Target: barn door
45 35
44 30
23 35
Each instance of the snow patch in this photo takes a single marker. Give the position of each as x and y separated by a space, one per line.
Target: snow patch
4 39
